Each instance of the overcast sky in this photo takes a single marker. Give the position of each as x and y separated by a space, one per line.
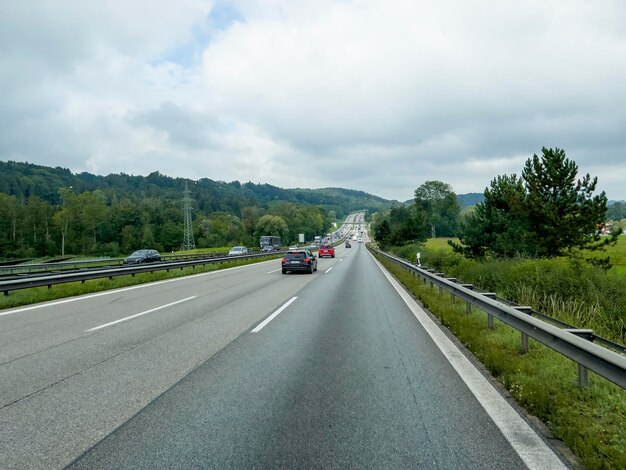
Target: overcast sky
373 95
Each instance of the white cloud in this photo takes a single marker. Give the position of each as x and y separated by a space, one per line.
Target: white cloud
377 96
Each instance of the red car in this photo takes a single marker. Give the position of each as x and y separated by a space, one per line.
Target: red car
326 250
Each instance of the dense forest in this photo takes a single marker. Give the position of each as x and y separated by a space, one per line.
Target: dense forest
51 211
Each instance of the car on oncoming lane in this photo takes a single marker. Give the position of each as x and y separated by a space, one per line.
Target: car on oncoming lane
143 256
238 250
299 260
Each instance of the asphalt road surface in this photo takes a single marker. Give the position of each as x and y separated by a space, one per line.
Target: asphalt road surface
249 368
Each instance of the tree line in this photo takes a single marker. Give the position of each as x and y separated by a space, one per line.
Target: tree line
48 211
545 212
94 223
434 212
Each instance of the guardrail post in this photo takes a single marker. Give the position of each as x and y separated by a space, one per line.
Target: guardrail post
527 310
452 296
524 349
490 295
468 306
583 376
583 372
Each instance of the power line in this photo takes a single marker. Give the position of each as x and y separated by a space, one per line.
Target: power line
188 241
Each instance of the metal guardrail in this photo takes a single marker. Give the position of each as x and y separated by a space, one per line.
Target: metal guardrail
574 344
58 266
82 276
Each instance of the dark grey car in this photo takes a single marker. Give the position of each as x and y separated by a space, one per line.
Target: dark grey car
143 256
299 260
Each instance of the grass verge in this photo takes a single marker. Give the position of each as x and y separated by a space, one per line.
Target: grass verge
589 421
60 291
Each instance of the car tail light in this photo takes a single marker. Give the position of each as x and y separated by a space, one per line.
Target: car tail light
284 260
307 260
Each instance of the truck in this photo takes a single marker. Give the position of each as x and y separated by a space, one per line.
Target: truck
270 243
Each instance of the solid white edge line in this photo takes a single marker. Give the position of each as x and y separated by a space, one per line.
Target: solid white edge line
99 327
274 315
533 451
328 270
125 289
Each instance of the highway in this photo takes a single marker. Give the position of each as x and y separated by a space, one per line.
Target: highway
249 368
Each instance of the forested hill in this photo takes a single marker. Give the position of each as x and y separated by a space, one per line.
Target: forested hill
24 180
470 199
51 211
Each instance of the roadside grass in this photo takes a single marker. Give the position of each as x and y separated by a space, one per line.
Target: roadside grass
568 289
440 244
590 421
621 270
59 291
616 254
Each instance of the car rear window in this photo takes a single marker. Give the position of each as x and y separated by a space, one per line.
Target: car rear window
299 255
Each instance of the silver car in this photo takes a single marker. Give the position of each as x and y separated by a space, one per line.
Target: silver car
237 251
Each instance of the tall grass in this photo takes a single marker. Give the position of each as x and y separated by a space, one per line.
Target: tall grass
616 254
568 289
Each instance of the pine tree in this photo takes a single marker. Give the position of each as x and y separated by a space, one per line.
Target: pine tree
545 213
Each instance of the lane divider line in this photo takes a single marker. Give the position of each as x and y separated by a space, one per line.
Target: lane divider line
328 270
275 270
274 315
99 327
533 451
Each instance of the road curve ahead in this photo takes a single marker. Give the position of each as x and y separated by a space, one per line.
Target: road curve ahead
340 374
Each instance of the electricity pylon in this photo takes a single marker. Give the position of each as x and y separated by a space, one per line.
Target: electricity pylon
188 242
